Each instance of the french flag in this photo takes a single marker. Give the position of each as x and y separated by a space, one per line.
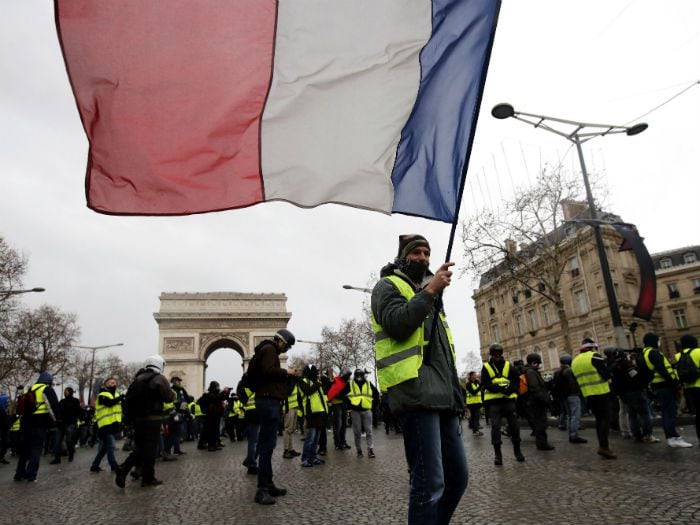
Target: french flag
198 106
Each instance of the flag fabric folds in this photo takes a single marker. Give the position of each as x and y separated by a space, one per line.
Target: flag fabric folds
192 107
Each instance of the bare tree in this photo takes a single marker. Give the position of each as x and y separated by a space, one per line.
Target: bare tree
12 268
525 240
349 346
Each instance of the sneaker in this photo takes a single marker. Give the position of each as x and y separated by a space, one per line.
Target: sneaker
263 497
318 461
359 454
578 439
70 458
678 442
276 491
545 447
370 453
306 463
180 453
650 439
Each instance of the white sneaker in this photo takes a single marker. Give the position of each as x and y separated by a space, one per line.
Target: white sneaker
678 442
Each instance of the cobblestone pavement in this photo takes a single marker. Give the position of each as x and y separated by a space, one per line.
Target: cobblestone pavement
648 484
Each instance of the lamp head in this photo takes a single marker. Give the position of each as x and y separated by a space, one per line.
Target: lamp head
502 111
636 129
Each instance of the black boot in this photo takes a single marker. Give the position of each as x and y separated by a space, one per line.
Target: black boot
263 497
498 459
518 453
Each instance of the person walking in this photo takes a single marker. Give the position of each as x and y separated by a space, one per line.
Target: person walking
108 413
34 424
69 411
474 402
143 408
664 387
500 382
566 389
269 393
689 345
593 377
416 365
537 400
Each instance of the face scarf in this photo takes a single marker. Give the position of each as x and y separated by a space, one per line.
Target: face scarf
413 269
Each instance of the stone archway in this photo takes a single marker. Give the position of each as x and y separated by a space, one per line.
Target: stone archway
193 325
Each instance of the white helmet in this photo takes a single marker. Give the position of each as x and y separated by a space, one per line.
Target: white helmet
155 362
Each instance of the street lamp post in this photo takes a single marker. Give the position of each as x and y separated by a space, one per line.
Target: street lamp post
578 133
4 294
92 363
358 288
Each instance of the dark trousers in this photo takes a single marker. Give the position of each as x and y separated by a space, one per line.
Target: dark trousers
172 440
269 412
146 438
498 411
538 416
69 433
339 424
600 406
30 448
474 416
211 430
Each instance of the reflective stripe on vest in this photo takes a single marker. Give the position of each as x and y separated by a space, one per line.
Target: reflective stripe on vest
105 415
250 404
399 361
168 407
587 377
315 403
238 408
292 399
499 380
695 356
15 425
658 378
38 390
360 396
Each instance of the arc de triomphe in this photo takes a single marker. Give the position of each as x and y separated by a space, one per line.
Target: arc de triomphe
193 325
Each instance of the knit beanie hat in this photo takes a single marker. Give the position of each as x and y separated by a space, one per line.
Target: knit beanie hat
409 242
688 341
651 339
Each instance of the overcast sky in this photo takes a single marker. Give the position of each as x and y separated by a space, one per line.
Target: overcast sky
607 61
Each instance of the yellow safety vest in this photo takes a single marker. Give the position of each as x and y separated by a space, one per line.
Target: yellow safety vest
315 403
399 361
238 408
695 356
587 377
16 424
499 380
474 399
38 389
105 415
292 399
168 407
360 396
250 404
658 378
195 409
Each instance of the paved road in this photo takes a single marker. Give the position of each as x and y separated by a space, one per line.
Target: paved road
648 484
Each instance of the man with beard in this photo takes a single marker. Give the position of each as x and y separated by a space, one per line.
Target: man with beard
416 366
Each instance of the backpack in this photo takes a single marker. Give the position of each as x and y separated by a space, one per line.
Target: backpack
139 398
26 404
644 373
522 387
687 369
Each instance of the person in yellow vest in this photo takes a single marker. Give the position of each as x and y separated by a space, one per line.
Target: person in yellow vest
290 406
474 402
593 378
689 345
664 387
33 427
362 398
500 382
108 414
315 408
416 366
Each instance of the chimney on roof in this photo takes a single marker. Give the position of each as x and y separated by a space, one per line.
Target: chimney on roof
573 209
511 247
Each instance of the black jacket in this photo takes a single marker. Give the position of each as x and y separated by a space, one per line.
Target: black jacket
487 382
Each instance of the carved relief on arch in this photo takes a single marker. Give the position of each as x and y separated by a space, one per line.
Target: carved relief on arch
178 345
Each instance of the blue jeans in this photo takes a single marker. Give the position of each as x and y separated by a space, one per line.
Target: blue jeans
252 435
31 446
637 408
667 400
308 453
269 412
573 415
438 464
107 446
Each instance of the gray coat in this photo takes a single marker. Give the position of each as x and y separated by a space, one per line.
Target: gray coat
437 385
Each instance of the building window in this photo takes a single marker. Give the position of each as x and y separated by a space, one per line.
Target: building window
689 257
514 294
696 286
553 355
581 302
665 262
495 333
673 292
546 315
492 307
532 319
519 324
679 318
574 268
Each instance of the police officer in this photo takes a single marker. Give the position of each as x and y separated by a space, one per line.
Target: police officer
500 381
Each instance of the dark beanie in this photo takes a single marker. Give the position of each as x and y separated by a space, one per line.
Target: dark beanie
688 341
409 242
651 339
